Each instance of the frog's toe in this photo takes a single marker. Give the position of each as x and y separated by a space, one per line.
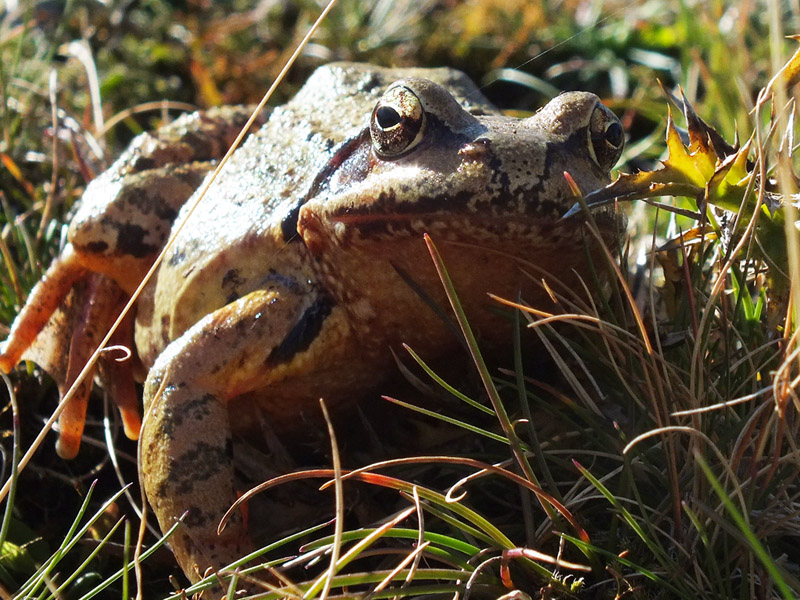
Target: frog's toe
72 421
116 375
117 379
6 360
42 302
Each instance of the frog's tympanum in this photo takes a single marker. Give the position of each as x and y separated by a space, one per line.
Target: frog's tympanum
304 265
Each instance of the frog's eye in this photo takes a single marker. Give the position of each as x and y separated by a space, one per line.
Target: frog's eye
606 137
397 122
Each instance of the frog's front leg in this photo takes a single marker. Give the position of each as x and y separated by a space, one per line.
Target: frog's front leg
77 307
185 453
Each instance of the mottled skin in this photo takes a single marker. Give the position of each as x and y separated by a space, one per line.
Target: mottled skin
290 281
121 225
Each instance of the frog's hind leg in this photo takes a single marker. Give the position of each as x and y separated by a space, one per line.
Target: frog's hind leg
186 461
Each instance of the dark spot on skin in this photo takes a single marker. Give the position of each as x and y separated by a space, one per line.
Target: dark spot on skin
176 258
481 150
96 247
196 409
195 139
196 466
146 201
500 178
369 83
196 517
142 163
130 241
275 280
231 279
303 333
240 327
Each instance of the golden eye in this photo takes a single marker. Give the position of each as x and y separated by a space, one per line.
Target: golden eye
606 137
397 122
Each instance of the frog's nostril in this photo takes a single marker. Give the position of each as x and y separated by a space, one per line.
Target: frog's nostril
475 150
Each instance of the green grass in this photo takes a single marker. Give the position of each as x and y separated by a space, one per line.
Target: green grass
653 455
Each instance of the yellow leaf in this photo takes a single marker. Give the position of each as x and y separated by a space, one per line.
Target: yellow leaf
700 146
679 159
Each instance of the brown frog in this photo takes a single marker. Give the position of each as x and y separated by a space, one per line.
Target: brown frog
291 280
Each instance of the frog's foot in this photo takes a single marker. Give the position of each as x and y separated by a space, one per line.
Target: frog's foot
186 458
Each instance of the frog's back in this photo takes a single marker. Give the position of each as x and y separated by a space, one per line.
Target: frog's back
345 93
244 229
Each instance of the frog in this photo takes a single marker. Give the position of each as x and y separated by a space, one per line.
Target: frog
303 269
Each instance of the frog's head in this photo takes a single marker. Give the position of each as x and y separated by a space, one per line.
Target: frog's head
425 164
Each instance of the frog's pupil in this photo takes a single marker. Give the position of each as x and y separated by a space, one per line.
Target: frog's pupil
614 134
387 117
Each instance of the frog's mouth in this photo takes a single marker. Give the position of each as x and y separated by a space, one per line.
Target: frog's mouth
385 214
406 205
458 226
